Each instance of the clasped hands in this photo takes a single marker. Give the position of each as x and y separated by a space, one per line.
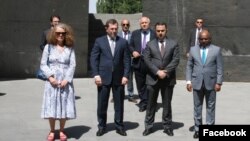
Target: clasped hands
55 83
162 74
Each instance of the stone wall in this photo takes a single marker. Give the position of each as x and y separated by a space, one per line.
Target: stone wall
21 25
227 20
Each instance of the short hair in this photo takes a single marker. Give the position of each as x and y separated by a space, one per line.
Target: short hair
111 21
69 37
144 17
161 23
54 16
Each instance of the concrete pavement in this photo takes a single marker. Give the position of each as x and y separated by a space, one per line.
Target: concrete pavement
20 107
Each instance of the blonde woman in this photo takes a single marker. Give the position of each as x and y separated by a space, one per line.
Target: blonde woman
58 64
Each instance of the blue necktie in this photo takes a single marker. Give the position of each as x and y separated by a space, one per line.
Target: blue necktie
203 56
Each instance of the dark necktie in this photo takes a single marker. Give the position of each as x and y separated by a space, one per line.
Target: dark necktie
162 48
125 35
144 41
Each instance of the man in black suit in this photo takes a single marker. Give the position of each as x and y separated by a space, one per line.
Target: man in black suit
194 34
138 41
162 57
54 20
110 64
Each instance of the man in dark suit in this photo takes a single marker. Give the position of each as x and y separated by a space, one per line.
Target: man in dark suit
194 33
139 39
110 63
204 75
54 20
162 58
126 34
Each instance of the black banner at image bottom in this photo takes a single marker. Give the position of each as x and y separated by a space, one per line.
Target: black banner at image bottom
221 132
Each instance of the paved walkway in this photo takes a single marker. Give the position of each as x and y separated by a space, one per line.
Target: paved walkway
20 102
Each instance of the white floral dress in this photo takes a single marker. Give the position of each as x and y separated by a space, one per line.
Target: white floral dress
58 103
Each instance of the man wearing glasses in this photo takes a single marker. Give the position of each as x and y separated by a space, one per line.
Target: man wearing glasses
193 39
126 34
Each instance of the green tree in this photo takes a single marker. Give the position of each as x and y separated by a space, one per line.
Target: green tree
119 6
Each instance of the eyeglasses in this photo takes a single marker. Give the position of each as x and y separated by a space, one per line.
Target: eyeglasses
125 24
60 33
199 22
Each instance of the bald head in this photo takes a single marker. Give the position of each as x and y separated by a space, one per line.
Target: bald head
204 38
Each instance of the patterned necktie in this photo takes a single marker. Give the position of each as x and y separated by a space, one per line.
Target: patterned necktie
162 48
203 56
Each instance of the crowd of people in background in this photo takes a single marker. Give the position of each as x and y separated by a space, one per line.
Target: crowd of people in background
147 55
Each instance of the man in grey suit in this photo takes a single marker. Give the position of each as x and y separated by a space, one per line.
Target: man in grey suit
204 75
161 57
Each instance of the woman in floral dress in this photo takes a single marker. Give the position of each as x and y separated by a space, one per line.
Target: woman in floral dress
58 64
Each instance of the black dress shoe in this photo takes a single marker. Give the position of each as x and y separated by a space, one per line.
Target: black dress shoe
147 132
132 99
142 109
196 134
121 132
169 132
100 132
191 128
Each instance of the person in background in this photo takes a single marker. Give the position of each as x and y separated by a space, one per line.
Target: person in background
194 34
54 20
204 75
110 64
126 34
161 57
58 64
138 41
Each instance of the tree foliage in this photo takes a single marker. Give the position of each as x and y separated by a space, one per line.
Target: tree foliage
119 6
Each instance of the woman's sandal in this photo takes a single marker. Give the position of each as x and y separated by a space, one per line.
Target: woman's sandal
51 136
63 136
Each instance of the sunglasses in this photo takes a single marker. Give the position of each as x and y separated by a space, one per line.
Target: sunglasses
125 24
60 33
199 22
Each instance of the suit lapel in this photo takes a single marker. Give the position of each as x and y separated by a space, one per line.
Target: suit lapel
117 45
106 43
197 53
209 53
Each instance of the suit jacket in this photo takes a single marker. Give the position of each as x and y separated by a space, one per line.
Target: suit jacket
192 38
210 73
111 69
135 44
154 61
121 35
43 39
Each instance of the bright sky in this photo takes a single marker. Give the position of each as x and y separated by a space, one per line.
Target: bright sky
92 6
